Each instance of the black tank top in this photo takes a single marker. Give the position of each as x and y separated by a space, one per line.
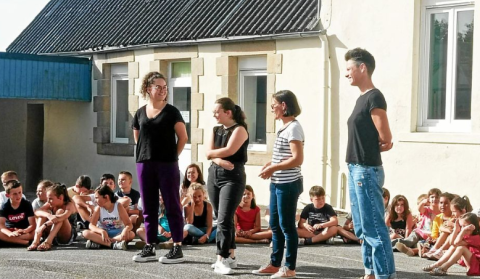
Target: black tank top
220 139
200 221
399 227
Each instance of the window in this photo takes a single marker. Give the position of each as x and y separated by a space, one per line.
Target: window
179 89
252 98
446 68
120 126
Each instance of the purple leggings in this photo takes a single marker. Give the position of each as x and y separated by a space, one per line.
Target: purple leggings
154 176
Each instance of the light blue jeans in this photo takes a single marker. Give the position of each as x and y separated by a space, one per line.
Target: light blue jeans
365 186
199 232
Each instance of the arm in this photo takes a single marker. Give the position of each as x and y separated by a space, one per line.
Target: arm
421 206
31 226
122 212
387 220
3 228
296 160
182 136
257 226
331 223
209 220
409 227
135 135
380 120
69 210
239 136
189 213
238 232
302 224
134 210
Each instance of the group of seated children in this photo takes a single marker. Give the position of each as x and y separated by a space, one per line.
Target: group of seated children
445 231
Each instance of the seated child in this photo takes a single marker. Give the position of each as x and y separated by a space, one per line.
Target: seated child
126 190
318 221
7 176
83 186
399 219
386 200
464 249
347 232
41 194
164 235
17 220
442 226
110 225
52 220
198 217
428 209
248 222
193 174
458 207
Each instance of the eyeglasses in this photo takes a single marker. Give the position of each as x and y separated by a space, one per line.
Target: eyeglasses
161 88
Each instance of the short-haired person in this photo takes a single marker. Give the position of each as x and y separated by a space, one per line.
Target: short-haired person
286 185
17 220
368 135
160 135
125 180
7 176
318 221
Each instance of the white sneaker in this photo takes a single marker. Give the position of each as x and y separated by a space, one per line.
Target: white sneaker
331 241
232 262
223 267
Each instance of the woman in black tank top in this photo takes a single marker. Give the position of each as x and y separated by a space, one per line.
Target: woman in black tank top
226 176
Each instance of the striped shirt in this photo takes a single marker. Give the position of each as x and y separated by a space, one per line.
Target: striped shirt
282 152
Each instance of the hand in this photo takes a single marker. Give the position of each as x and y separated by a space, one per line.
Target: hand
385 146
309 228
50 217
266 173
105 237
470 227
54 220
227 165
203 239
14 234
318 227
247 234
167 234
266 165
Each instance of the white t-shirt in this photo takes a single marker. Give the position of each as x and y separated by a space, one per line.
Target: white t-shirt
282 152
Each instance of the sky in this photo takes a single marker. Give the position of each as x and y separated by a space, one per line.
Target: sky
15 15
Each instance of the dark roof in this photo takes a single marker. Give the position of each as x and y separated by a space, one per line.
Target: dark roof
79 25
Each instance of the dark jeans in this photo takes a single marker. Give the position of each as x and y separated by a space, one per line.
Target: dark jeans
154 176
283 208
225 190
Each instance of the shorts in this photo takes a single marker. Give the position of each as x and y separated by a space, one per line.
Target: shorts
114 232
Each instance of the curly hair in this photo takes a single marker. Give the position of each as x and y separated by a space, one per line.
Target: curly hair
148 80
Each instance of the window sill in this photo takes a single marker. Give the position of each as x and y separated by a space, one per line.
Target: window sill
446 138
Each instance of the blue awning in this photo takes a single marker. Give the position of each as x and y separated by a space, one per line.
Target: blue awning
41 77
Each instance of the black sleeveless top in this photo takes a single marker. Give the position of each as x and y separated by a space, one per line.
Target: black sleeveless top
220 139
399 227
200 221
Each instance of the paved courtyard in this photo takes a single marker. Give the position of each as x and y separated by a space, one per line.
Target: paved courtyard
322 261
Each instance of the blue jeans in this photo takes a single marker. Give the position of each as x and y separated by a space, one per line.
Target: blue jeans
199 232
283 208
365 186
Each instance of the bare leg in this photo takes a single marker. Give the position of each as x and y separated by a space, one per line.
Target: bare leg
325 234
141 234
13 239
457 254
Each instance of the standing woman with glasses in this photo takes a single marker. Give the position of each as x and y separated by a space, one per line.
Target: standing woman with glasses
226 177
156 128
285 187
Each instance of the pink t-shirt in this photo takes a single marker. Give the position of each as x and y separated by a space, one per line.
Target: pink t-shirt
246 219
424 226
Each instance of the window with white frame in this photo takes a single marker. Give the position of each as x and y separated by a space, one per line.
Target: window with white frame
179 89
120 126
446 66
252 98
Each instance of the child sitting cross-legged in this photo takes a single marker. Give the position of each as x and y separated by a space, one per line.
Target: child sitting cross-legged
318 221
248 228
399 219
17 221
110 225
198 217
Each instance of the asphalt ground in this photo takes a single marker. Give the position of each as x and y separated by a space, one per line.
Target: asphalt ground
318 261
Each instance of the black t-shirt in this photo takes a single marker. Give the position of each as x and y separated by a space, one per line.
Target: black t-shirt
17 218
134 196
317 215
157 138
221 138
363 145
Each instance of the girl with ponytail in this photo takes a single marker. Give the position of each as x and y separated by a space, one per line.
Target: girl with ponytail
226 177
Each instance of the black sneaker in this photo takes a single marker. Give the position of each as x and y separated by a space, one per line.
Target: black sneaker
147 254
174 256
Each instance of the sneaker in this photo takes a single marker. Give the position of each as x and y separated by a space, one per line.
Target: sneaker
331 241
404 249
301 241
175 255
266 270
92 245
122 245
223 267
284 272
232 262
147 254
